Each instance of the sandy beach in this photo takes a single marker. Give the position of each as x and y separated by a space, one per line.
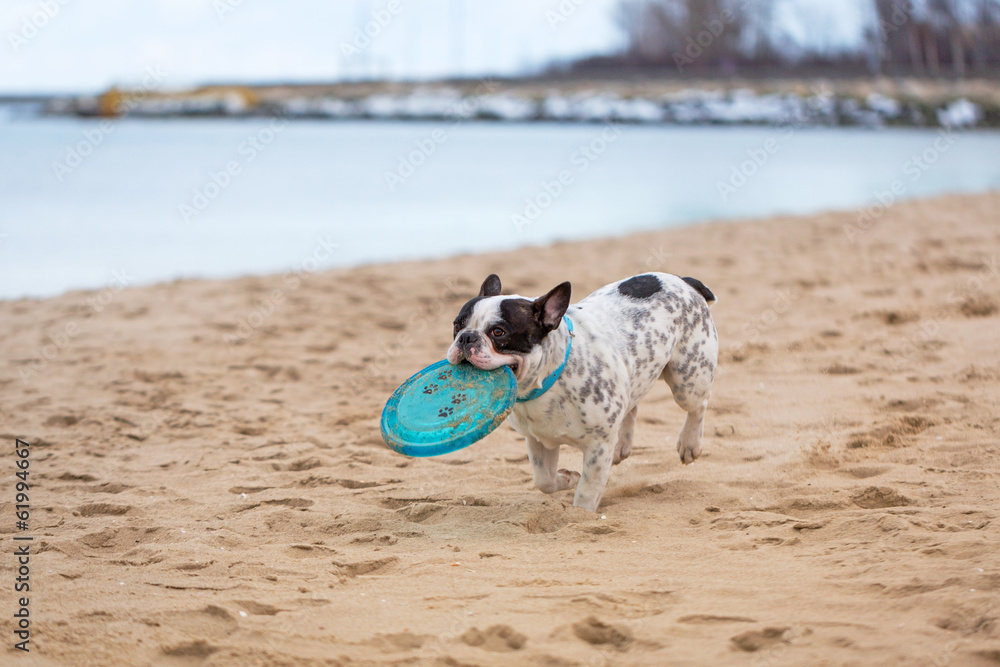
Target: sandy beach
209 485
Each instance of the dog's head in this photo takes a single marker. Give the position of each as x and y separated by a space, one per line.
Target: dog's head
493 331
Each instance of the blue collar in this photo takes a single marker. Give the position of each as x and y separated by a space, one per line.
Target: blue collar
554 375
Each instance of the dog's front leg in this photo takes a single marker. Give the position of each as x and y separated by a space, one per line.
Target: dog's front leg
544 462
596 468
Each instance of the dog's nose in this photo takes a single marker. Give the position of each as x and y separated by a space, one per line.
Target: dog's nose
467 339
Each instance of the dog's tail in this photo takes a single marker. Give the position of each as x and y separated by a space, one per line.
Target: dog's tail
700 288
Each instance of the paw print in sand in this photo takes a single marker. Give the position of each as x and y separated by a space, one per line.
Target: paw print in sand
458 399
431 388
445 375
446 411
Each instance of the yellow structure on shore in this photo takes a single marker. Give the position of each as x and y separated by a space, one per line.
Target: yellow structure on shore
228 100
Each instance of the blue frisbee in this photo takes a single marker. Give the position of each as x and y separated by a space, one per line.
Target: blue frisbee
446 407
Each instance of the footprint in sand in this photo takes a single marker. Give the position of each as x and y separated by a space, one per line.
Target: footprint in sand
309 551
193 567
102 539
399 641
249 489
594 631
892 435
364 567
357 484
101 509
257 608
496 638
864 472
305 464
208 622
552 515
197 649
73 477
62 420
755 640
698 619
126 537
109 487
291 502
877 497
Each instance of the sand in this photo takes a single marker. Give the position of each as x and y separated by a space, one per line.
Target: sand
207 492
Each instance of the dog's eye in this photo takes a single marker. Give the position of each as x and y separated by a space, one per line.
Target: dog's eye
458 327
497 332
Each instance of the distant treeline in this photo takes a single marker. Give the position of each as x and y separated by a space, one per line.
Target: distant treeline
955 38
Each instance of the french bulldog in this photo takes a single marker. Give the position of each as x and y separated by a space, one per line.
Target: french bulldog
582 369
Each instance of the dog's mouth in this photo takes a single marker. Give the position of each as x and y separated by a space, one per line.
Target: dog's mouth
514 366
488 361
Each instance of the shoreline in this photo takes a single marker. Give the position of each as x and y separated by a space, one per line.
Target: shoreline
865 211
801 102
230 500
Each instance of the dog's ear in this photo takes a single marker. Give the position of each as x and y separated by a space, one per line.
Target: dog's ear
491 286
549 309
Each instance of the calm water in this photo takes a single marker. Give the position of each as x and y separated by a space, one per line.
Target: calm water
141 198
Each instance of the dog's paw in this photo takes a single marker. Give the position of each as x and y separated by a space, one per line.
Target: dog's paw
621 453
567 479
688 451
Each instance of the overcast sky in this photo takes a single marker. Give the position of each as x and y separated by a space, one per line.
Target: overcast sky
87 45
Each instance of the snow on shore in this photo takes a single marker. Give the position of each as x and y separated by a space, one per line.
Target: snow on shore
689 106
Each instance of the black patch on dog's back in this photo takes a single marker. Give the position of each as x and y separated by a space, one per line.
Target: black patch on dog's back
640 287
700 288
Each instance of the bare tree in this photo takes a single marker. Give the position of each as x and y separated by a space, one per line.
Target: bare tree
945 29
757 30
985 35
897 35
921 37
925 37
659 31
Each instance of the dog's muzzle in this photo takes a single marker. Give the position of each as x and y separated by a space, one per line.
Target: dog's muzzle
467 340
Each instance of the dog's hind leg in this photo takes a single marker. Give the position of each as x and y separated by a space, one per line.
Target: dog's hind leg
624 446
691 392
689 441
